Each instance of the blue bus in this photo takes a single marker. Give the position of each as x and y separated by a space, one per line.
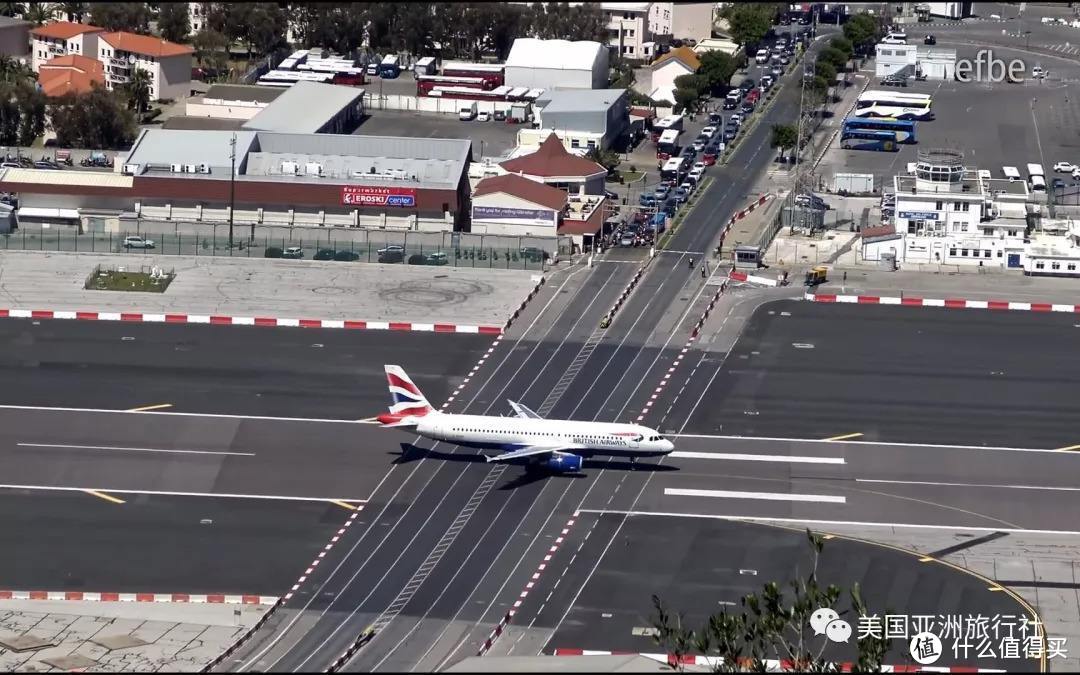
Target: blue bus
905 129
862 139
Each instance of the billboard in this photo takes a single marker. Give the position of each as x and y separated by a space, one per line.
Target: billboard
537 216
355 195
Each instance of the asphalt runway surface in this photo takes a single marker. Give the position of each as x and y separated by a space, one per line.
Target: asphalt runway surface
900 374
69 541
699 567
238 370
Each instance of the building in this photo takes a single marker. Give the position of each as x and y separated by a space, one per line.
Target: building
628 29
907 60
682 20
665 70
167 63
197 16
311 108
61 38
546 64
232 101
583 119
514 205
14 37
554 165
721 44
72 74
950 10
946 213
937 63
280 179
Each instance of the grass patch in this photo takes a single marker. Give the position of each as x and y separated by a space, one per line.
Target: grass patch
630 176
139 282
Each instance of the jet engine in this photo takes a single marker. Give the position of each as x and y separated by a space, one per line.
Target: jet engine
562 462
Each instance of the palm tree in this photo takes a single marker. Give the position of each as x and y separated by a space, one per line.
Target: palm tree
75 11
138 90
11 9
14 71
39 13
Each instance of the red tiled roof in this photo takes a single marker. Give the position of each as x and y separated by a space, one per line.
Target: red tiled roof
523 188
70 74
145 44
552 159
64 30
880 231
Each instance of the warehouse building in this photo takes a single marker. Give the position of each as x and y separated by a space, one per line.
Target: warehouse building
584 119
232 101
312 108
547 64
280 178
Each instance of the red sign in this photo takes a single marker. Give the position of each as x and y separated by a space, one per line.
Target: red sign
354 195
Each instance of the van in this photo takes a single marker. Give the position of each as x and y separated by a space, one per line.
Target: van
1037 183
467 112
762 56
895 39
1010 172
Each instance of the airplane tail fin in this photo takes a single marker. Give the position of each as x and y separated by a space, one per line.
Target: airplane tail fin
407 401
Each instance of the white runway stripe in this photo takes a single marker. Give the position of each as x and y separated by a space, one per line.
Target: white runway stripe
771 496
687 454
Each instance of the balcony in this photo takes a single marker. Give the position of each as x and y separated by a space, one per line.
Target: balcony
57 49
122 64
117 78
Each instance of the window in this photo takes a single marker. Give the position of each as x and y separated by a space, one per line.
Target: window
986 253
963 227
1071 267
956 206
963 253
1039 265
940 206
988 231
591 144
1055 266
575 143
952 251
999 254
1012 233
630 33
964 206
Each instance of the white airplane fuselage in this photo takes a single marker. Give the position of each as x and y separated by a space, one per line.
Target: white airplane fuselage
580 438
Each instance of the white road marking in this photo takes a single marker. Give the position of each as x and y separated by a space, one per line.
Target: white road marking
771 496
172 493
797 459
118 447
969 485
810 521
187 414
884 443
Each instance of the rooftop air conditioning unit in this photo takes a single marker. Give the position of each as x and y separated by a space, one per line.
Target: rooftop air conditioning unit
130 169
204 168
177 168
313 169
292 168
189 168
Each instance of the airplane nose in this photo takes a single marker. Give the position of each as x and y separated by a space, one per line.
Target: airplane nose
668 446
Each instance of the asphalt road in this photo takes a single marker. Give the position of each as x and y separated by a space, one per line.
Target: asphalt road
699 567
901 374
240 370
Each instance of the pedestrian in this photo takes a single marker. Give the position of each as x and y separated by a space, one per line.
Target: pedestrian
691 263
702 271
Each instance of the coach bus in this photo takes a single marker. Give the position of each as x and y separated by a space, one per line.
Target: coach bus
904 129
869 140
895 105
668 144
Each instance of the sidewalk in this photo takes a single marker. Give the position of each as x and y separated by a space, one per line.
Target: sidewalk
297 289
1002 286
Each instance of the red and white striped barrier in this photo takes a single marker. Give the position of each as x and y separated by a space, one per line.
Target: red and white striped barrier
948 303
771 665
506 618
626 291
749 209
752 279
521 308
187 598
273 322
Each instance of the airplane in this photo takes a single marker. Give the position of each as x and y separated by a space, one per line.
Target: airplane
558 445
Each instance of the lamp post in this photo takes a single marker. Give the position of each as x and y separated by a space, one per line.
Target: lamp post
232 188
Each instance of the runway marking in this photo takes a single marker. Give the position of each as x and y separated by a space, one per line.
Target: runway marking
172 493
102 495
771 496
1069 447
926 559
1048 488
63 446
844 437
159 406
883 443
186 414
344 505
818 521
797 459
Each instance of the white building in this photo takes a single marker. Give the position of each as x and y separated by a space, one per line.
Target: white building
197 15
907 60
667 68
948 214
682 20
62 38
1055 251
628 27
950 10
936 63
721 44
514 205
583 119
547 64
168 63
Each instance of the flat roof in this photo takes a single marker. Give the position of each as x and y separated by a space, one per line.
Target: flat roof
243 92
162 147
305 107
202 123
581 100
65 177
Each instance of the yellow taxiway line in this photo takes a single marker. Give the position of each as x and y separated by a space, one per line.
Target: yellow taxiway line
102 495
145 408
844 437
344 505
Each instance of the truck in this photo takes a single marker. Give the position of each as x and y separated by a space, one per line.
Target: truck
389 67
425 66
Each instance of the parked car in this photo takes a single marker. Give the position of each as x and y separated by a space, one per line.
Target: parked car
710 155
483 116
1064 167
391 254
646 199
1038 73
730 133
499 116
138 242
696 174
533 254
682 193
929 40
436 258
346 256
735 119
698 166
1058 184
699 144
811 200
730 104
324 254
293 253
894 81
747 84
708 131
747 107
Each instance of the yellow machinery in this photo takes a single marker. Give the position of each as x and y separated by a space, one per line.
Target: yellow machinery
816 276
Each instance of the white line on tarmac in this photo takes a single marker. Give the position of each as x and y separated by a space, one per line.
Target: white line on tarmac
771 496
884 443
118 447
687 454
809 521
969 485
187 414
170 493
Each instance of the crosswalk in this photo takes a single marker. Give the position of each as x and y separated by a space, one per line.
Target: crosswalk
1065 48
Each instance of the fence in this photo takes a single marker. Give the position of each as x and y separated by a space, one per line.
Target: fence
322 248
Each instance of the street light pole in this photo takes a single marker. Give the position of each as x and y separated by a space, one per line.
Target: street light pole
232 188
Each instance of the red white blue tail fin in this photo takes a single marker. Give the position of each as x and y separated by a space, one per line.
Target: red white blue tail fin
407 402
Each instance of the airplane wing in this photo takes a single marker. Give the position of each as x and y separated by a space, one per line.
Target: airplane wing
532 451
523 412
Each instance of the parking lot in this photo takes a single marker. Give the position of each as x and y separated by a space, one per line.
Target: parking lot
490 139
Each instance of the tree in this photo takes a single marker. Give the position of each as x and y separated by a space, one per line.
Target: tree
862 30
133 17
12 9
749 22
826 71
98 120
138 91
39 13
75 11
31 105
843 44
833 56
211 49
686 100
605 158
784 136
15 72
717 68
173 22
773 625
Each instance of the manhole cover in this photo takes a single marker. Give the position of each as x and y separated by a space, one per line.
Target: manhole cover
119 641
25 643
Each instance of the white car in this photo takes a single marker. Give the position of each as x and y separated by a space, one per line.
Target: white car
700 144
1065 167
1038 73
708 131
138 242
695 175
698 166
1076 173
483 116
